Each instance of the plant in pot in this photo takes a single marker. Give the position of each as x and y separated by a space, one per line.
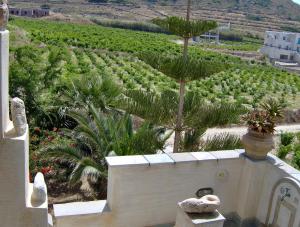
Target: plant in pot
261 122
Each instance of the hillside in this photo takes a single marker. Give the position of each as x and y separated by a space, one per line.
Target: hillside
251 16
282 8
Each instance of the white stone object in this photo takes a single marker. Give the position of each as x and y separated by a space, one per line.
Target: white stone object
206 204
39 193
18 116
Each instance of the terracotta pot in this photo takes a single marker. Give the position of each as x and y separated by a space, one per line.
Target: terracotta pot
257 145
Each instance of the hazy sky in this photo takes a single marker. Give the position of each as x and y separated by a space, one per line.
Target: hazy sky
297 1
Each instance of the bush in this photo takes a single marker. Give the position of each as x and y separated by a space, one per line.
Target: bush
231 36
296 159
132 25
284 150
254 17
287 138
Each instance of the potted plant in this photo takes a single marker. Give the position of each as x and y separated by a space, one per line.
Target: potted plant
261 122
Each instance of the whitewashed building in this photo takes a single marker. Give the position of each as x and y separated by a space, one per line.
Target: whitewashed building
283 46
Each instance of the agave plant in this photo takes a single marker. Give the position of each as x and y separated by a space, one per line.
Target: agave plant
98 135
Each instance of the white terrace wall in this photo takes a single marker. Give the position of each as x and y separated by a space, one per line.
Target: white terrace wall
143 195
144 190
140 194
16 209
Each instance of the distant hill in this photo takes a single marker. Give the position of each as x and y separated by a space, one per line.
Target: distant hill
251 16
282 8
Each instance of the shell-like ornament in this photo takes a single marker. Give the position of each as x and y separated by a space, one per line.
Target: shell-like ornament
206 204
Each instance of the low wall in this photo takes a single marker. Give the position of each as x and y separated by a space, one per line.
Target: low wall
16 209
145 190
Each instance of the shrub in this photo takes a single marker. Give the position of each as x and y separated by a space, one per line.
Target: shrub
283 151
287 138
231 36
296 159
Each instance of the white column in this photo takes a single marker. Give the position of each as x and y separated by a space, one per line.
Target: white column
4 66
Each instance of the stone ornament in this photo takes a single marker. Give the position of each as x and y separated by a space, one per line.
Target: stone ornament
4 13
206 204
39 193
18 116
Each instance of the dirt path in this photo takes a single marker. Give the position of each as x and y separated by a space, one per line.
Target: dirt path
237 131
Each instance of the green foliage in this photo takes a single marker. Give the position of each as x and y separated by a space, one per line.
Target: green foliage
198 115
264 120
289 149
186 29
287 138
290 29
284 150
296 158
231 36
242 82
182 69
93 89
221 142
254 17
98 135
132 25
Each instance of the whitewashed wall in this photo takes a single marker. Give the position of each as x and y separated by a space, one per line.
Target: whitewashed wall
145 190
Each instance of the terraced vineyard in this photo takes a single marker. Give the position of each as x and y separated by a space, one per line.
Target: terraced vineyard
235 84
98 50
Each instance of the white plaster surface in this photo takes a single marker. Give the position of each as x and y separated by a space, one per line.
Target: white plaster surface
158 188
4 65
203 156
154 159
198 220
126 160
146 193
16 209
80 208
182 157
90 214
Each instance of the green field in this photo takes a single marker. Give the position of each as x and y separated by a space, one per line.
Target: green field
92 49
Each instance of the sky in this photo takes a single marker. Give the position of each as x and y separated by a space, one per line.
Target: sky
297 1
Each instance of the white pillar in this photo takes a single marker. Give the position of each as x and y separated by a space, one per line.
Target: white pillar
4 66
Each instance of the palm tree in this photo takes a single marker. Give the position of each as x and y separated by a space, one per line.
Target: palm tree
98 135
99 90
183 69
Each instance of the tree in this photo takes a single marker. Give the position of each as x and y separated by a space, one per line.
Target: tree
183 69
198 116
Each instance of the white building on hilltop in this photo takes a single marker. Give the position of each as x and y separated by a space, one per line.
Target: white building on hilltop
283 46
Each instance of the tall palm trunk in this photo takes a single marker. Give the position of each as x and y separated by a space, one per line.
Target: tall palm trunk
178 128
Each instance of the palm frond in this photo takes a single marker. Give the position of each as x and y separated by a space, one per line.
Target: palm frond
223 141
87 168
63 153
100 91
